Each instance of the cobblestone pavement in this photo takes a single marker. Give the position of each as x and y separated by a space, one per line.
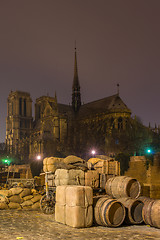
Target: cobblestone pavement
35 225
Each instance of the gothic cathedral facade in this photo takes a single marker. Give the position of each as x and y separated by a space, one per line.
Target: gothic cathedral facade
60 129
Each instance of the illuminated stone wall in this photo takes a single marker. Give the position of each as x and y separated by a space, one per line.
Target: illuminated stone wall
148 174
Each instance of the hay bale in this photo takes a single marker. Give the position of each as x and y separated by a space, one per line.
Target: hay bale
72 159
14 205
81 166
29 197
16 190
21 185
6 193
3 199
33 191
45 161
45 169
52 160
51 168
25 192
36 198
69 177
26 203
62 165
27 208
3 206
95 160
36 206
15 199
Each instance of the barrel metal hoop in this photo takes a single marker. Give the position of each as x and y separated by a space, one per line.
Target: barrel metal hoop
99 212
150 209
108 204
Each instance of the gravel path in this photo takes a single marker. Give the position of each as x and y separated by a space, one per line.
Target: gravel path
34 225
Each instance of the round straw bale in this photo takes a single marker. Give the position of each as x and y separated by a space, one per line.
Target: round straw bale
25 192
3 205
33 191
36 206
36 198
26 203
95 160
6 193
3 199
16 190
15 199
51 168
52 160
45 161
13 205
45 169
27 197
72 159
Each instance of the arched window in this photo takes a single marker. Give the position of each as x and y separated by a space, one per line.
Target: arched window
112 123
120 123
25 107
20 106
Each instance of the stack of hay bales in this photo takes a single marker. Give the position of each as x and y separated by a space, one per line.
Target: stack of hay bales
49 164
20 198
69 177
106 167
75 162
74 206
70 162
4 194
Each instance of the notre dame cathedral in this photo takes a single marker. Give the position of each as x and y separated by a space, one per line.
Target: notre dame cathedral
60 129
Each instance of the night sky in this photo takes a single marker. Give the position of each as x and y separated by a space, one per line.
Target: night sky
118 41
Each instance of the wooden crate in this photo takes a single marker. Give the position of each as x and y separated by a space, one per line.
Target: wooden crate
110 167
92 178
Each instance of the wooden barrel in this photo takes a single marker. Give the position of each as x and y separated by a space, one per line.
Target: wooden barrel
151 213
133 210
97 197
109 212
123 186
145 200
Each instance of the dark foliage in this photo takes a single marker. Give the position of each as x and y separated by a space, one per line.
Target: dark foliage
124 162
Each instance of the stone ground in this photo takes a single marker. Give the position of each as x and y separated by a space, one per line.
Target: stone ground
35 225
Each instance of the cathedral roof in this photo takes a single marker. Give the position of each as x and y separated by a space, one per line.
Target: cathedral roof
65 109
105 105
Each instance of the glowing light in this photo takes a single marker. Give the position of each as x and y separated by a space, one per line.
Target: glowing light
149 151
38 157
93 152
6 161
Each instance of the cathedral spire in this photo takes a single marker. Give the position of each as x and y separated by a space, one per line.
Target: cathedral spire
118 89
55 96
76 95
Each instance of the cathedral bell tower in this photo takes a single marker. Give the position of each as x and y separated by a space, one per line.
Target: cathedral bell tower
18 122
76 95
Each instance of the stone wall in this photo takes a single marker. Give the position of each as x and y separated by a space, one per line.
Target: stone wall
147 173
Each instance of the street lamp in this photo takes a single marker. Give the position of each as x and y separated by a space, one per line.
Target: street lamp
93 152
38 157
149 151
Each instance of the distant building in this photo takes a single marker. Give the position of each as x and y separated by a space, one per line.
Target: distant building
60 128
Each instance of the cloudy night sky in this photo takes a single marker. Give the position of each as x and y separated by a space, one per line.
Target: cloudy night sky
118 41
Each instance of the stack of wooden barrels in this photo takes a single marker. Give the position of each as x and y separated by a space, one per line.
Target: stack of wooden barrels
123 204
151 211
